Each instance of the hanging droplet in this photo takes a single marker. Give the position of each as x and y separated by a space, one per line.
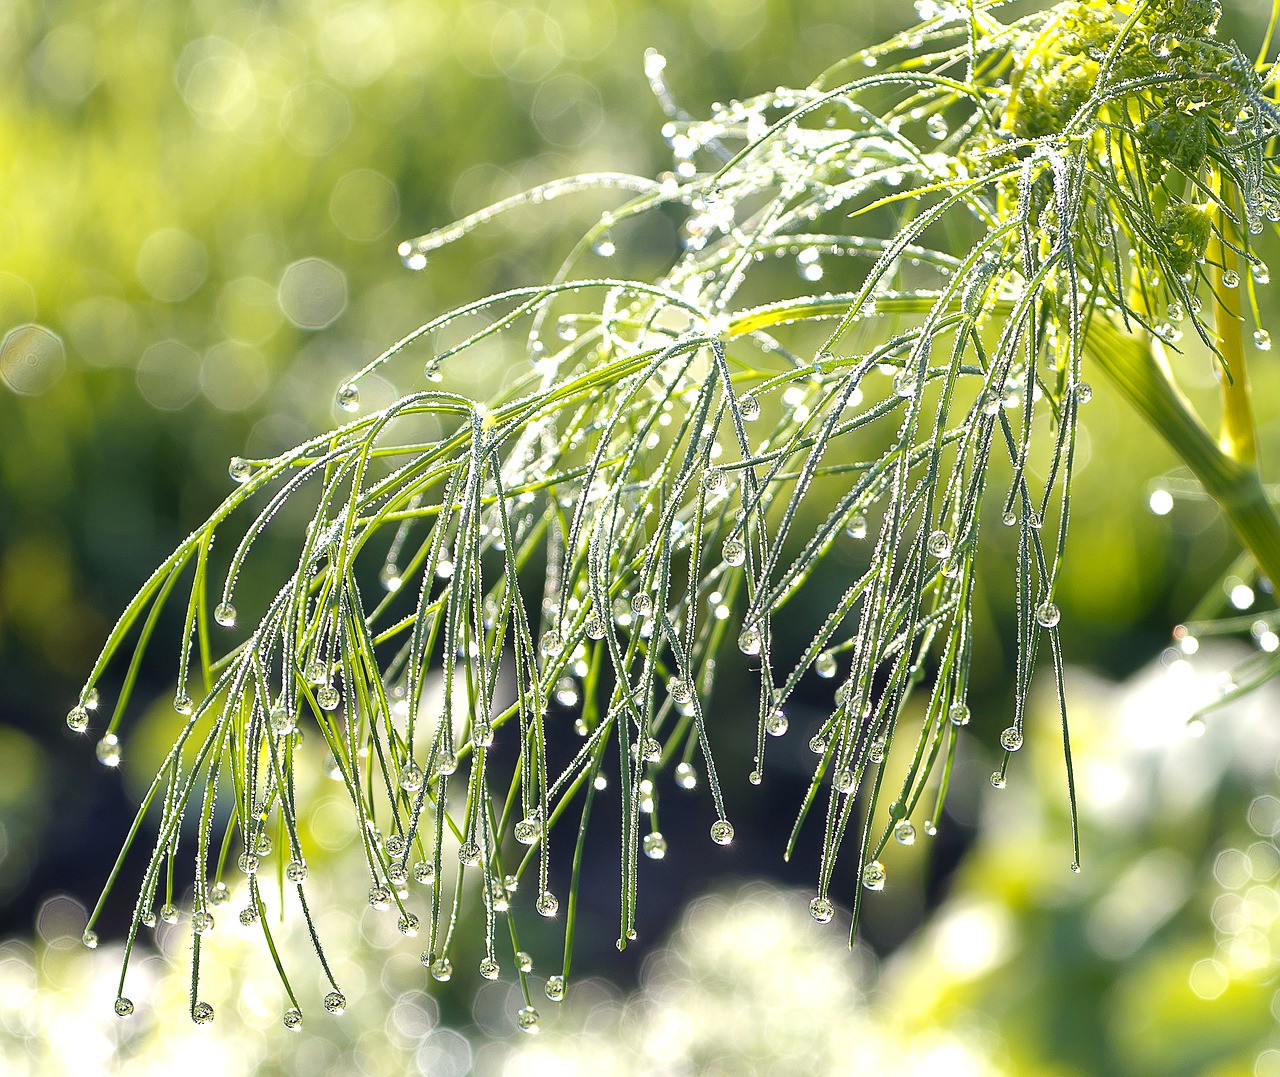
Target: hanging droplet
446 762
856 528
1084 393
524 961
936 126
905 383
441 968
605 246
722 832
348 397
293 1019
875 753
735 553
1261 274
424 871
202 922
749 641
818 744
169 913
655 845
681 690
379 897
408 925
997 780
528 831
650 750
1230 279
489 969
219 894
776 724
1009 518
469 853
1011 739
555 988
547 904
1262 340
873 875
240 469
939 544
749 408
1047 614
248 916
123 1007
90 939
202 1013
411 777
595 627
182 704
328 697
296 871
108 750
551 643
821 910
755 777
844 780
225 615
77 719
825 665
904 833
335 1002
528 1020
958 714
282 722
686 776
641 604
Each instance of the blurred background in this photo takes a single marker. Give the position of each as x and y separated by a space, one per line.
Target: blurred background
202 205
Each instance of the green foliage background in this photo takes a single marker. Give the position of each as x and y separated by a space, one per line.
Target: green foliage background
172 172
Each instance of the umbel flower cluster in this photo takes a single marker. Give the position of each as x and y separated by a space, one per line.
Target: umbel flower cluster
503 610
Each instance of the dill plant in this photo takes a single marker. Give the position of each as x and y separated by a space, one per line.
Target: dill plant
1002 205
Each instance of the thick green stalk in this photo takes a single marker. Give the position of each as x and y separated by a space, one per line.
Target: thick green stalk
1233 483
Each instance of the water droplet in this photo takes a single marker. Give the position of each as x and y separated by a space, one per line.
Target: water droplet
844 780
821 910
655 845
293 1019
123 1007
328 698
529 1020
1161 46
225 615
1011 739
524 961
936 126
856 528
939 544
818 744
335 1002
411 777
240 469
1047 614
904 832
905 383
148 918
566 694
749 641
930 828
379 897
650 750
595 627
735 553
551 643
282 722
247 863
1262 340
446 762
296 871
605 246
873 875
825 665
1261 274
997 780
424 871
755 777
1230 279
441 968
108 750
686 776
641 604
958 714
776 724
1009 519
1084 393
249 916
749 408
680 689
219 894
78 719
90 939
722 832
348 397
489 969
202 1013
547 904
1075 867
408 925
169 913
714 480
876 752
528 830
202 922
555 988
469 853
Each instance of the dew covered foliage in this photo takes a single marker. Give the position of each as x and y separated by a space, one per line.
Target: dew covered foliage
551 575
